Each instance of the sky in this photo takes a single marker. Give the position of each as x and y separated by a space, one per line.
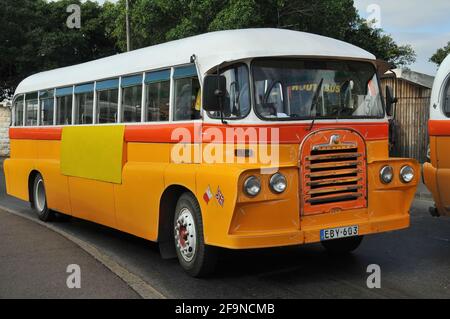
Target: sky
425 25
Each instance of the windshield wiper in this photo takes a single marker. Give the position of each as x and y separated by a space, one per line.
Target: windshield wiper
344 88
314 101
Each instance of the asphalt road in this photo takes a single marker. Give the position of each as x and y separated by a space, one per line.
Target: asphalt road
415 263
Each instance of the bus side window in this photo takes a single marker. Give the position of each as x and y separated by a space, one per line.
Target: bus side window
187 90
446 101
18 110
107 101
131 98
157 96
64 106
31 107
84 103
46 100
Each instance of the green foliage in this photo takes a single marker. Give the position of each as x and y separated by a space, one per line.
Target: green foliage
35 37
441 54
157 21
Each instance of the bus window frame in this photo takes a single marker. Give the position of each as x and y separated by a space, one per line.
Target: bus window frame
96 120
56 108
445 89
25 108
317 119
124 86
52 98
145 118
14 106
173 93
250 89
76 110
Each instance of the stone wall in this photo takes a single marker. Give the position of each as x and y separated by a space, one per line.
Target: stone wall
5 121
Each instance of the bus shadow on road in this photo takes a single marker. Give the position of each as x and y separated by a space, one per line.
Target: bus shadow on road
302 262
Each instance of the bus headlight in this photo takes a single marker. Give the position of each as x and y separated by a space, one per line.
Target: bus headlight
278 183
407 174
386 174
252 186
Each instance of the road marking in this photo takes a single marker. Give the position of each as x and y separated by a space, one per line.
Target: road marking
141 287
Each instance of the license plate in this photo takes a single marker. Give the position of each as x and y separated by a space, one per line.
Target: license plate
341 232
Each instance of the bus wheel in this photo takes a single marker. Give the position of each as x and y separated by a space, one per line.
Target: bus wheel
197 259
343 245
40 199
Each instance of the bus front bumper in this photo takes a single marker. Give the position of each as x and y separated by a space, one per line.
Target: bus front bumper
311 234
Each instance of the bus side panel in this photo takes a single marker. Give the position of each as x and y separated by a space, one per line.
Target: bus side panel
18 168
56 184
92 200
182 175
137 198
443 173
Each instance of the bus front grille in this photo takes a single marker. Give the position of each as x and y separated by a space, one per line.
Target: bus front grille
333 168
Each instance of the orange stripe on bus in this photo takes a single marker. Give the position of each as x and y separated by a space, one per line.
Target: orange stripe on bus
160 133
35 133
439 127
294 133
189 132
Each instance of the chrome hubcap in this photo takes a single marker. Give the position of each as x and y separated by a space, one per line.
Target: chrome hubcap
185 235
39 195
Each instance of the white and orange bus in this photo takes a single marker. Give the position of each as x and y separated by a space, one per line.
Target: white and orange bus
436 172
237 139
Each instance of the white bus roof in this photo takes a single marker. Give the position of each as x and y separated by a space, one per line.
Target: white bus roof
211 49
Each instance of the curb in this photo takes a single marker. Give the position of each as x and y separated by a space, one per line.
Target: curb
424 196
141 287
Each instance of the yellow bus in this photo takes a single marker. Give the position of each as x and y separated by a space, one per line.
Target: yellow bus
436 172
235 139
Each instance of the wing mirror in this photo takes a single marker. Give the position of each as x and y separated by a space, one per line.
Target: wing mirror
214 89
391 100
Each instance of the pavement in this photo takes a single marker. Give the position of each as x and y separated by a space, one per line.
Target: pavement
415 263
34 261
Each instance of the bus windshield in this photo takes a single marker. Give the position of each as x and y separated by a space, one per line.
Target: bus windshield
290 89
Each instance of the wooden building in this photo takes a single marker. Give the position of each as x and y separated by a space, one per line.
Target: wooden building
409 132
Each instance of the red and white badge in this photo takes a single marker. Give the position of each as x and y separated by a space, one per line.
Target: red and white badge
207 195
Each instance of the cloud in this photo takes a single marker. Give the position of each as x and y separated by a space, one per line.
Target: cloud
423 25
407 14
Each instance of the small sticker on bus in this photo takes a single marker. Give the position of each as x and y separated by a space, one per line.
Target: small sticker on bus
219 196
207 195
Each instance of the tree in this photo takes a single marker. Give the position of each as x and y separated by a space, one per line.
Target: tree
441 54
35 38
380 44
17 44
157 21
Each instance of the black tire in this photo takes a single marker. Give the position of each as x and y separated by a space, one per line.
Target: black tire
342 246
203 258
39 200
